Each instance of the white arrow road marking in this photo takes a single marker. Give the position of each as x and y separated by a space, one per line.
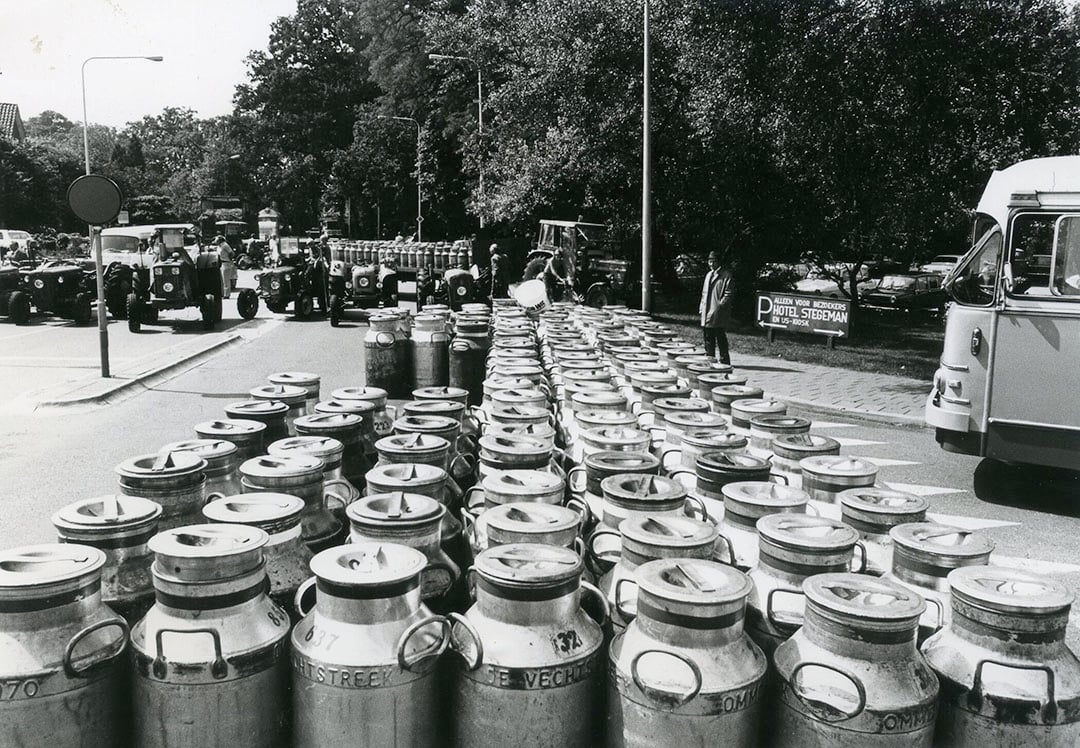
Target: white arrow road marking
1034 565
831 425
832 511
846 442
886 462
923 490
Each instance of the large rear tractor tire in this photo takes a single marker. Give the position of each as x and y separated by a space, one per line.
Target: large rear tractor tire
247 303
134 313
206 308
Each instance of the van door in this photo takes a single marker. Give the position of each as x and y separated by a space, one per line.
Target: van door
1034 413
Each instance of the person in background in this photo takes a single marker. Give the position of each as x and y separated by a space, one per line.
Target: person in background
16 254
557 278
534 268
715 309
500 285
228 267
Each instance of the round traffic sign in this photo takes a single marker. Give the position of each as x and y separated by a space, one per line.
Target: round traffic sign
95 199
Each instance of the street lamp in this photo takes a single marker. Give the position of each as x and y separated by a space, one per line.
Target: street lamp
479 110
228 163
646 174
95 235
419 194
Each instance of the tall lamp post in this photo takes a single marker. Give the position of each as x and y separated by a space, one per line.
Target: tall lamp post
646 174
95 233
419 193
479 108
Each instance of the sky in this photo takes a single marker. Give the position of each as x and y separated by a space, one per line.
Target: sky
204 42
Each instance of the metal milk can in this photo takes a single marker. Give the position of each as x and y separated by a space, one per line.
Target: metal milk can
512 486
302 476
1007 676
382 416
246 434
210 658
119 526
346 428
514 452
306 380
386 364
285 554
714 470
362 409
764 429
269 412
745 410
724 395
453 394
633 495
789 450
611 439
924 554
695 442
173 480
703 388
330 451
415 521
665 408
424 449
793 548
874 512
745 502
468 352
684 672
430 352
586 481
677 424
222 458
60 646
513 397
532 656
851 676
295 398
448 428
526 522
518 415
363 658
544 432
645 539
824 477
451 409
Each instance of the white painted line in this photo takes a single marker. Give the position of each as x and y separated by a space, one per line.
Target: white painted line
830 425
832 511
845 442
1035 565
923 490
886 462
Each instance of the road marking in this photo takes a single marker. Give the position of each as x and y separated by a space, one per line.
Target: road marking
1034 565
830 425
846 442
832 511
923 490
37 331
887 462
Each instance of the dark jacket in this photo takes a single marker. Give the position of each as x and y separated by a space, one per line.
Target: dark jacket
715 307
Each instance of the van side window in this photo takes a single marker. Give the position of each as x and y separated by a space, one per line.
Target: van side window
975 281
1066 275
1032 245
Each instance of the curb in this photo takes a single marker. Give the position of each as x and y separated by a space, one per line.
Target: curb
141 382
889 419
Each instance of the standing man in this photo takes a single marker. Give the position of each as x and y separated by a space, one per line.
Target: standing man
715 309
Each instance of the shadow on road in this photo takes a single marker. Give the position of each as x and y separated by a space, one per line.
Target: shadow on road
1031 487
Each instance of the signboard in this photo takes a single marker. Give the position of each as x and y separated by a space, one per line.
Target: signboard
123 218
803 313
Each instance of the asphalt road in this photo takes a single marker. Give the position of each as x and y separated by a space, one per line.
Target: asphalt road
50 459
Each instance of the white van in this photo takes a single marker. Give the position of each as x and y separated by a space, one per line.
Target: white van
1012 336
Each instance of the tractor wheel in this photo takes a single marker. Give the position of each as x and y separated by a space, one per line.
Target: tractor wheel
150 314
134 313
275 308
243 262
217 309
19 307
247 303
597 297
81 311
207 310
305 305
335 310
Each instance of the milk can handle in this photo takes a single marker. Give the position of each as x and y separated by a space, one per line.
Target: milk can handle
466 504
812 510
770 611
865 562
69 650
218 668
818 708
467 460
579 470
601 600
301 593
1049 707
351 494
479 414
660 694
625 613
473 634
665 452
641 416
779 477
468 526
696 505
600 533
465 443
452 571
730 549
940 618
639 405
583 511
682 471
431 652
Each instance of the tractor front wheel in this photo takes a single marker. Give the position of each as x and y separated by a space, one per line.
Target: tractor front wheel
305 305
19 307
336 307
247 303
81 311
206 308
134 313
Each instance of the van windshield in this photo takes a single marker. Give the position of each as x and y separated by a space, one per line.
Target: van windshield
120 243
975 282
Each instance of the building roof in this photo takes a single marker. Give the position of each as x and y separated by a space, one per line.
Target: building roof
11 124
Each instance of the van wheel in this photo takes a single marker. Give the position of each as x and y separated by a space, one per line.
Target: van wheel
19 307
134 313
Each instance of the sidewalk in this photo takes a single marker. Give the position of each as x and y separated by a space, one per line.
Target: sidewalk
825 390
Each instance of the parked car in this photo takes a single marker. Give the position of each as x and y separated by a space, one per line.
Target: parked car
907 292
940 265
819 284
7 236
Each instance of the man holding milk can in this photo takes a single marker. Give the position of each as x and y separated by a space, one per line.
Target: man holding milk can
715 309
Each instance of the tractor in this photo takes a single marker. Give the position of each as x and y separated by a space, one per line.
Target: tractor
299 279
61 288
14 301
602 274
362 286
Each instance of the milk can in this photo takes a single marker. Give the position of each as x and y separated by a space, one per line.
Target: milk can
532 656
708 381
453 394
682 364
328 450
825 477
792 548
764 429
524 415
518 396
505 452
851 675
610 439
924 553
222 458
511 486
527 522
301 476
676 406
873 512
441 426
119 526
684 671
174 480
246 434
438 408
716 469
386 365
646 538
295 399
1007 676
544 432
468 352
415 521
697 442
306 380
363 658
211 658
788 451
285 554
591 419
598 400
430 352
746 409
60 646
586 481
676 424
633 495
724 395
745 502
346 428
269 412
695 372
424 449
381 419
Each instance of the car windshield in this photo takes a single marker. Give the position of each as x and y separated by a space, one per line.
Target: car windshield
896 283
945 259
120 243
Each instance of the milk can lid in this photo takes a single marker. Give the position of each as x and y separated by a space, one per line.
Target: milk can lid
710 438
883 501
426 393
615 435
529 411
708 367
405 473
764 494
111 511
360 393
409 423
162 463
838 465
537 430
715 379
531 516
607 416
205 448
806 532
695 419
805 443
729 461
368 564
415 441
318 446
275 466
285 393
208 541
759 405
864 598
519 392
779 422
692 580
432 407
256 407
227 427
513 444
529 481
735 390
681 405
668 531
642 487
297 378
258 508
1009 590
528 565
396 507
693 358
355 407
43 565
328 421
941 541
609 461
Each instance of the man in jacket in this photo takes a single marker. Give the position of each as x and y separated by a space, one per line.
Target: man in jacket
715 309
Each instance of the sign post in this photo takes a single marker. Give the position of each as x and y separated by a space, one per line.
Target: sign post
815 315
